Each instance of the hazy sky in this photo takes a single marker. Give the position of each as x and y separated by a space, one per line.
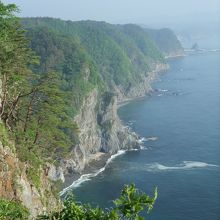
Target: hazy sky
123 11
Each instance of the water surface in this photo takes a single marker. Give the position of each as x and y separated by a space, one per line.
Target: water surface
184 114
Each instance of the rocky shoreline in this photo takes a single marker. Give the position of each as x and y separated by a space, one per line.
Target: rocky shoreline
92 167
93 156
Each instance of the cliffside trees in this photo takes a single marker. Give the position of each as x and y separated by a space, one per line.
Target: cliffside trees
33 106
15 56
120 53
44 121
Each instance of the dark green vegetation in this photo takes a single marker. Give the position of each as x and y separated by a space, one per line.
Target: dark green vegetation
34 106
12 210
119 54
128 206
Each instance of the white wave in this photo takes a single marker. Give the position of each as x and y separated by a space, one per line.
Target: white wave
142 140
210 50
144 147
87 177
145 139
197 164
159 94
186 165
201 51
131 122
135 149
151 139
127 127
120 152
214 50
162 90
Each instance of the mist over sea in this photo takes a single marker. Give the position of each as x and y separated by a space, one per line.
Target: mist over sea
180 124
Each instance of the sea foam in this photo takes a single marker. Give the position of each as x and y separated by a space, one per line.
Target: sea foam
185 165
87 177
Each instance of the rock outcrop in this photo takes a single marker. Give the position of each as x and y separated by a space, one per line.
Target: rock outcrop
142 88
101 131
100 127
15 185
101 135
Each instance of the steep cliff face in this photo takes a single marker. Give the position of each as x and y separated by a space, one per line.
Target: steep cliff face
122 60
89 136
15 185
114 136
101 135
14 181
102 65
101 131
142 88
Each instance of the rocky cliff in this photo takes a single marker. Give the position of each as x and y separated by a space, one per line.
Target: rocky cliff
101 135
101 131
142 88
101 65
15 184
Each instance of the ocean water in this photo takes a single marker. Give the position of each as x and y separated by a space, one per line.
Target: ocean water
180 126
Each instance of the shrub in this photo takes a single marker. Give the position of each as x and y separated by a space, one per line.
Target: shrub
128 206
12 210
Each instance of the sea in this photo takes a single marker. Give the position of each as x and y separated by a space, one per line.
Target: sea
179 126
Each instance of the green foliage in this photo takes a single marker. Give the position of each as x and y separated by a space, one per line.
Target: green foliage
40 97
3 134
34 176
45 118
65 55
143 42
132 202
7 11
12 210
120 53
165 39
34 108
128 206
15 55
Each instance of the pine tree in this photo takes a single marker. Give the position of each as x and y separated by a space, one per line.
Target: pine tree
33 106
15 56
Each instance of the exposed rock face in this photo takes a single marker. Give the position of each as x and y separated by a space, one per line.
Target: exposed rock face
55 173
100 131
114 136
101 134
142 88
100 128
90 135
14 184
